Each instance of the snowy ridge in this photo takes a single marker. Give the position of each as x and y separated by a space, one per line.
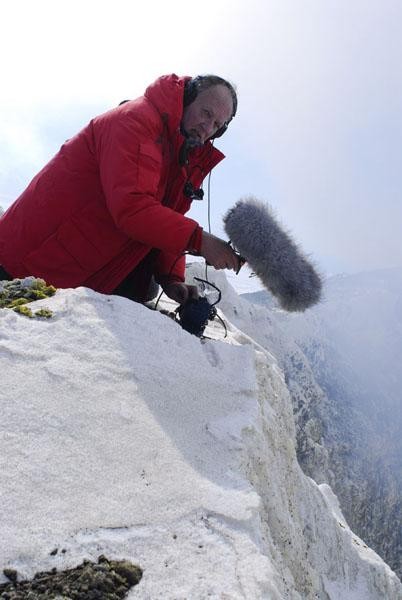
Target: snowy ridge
127 436
342 364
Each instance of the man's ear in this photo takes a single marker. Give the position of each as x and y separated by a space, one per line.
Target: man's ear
191 90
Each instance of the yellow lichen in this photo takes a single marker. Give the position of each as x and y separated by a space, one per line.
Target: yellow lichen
22 309
44 312
18 302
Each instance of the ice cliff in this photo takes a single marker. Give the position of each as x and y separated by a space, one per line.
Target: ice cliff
123 435
342 363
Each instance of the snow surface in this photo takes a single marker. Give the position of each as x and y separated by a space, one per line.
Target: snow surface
121 434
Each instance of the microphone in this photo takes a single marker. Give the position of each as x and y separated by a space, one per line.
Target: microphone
273 255
193 193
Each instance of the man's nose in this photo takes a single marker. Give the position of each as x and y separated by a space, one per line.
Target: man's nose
209 128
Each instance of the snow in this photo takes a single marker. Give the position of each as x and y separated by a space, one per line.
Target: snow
122 434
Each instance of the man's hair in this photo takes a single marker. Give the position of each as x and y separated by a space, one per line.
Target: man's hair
204 82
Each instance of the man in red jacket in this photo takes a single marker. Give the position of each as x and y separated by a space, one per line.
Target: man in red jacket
107 212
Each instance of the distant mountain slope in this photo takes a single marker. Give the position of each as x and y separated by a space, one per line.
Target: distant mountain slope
352 344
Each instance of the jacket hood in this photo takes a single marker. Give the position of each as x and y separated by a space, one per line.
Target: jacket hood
166 95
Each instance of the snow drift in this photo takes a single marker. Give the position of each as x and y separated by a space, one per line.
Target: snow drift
122 434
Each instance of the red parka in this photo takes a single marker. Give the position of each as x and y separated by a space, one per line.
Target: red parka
110 194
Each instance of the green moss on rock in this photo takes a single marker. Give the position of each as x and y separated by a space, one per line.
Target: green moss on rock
18 292
17 302
24 310
44 312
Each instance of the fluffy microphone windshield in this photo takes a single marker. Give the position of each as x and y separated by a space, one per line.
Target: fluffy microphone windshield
272 255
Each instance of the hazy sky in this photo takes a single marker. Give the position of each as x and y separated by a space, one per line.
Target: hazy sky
318 133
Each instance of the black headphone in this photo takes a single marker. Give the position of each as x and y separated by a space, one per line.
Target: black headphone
191 90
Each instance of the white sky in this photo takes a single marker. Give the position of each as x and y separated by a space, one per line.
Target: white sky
318 132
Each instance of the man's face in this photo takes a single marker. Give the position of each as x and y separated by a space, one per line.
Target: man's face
211 109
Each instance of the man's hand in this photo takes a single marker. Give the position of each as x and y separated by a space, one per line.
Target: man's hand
180 292
219 253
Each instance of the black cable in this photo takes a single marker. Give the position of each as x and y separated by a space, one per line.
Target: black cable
209 217
157 301
197 322
169 274
224 325
212 285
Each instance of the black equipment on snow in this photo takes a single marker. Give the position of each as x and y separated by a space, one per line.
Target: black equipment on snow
272 255
194 315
